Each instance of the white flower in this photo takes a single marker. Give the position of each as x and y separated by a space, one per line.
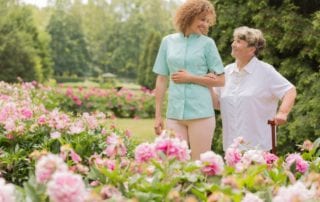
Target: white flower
250 197
295 192
6 192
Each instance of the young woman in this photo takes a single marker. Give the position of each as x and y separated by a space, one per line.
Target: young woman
187 56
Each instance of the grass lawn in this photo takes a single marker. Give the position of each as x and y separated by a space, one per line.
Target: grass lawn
141 129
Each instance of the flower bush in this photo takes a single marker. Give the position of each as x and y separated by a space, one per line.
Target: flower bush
123 103
50 155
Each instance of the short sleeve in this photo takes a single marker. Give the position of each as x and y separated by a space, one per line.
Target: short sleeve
213 58
278 84
161 65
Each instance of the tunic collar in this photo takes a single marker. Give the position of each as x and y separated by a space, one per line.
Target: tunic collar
191 36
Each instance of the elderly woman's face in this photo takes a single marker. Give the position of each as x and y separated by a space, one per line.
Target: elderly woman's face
200 24
241 48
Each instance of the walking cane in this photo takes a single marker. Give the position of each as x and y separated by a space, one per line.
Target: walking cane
273 135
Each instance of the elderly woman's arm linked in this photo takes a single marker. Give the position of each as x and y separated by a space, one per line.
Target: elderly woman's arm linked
161 87
286 106
210 80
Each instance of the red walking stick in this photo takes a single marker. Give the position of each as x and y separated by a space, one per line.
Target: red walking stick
273 135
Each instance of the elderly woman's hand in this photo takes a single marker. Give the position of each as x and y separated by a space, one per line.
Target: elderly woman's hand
280 118
181 76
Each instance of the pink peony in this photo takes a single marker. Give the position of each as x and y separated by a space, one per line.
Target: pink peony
6 192
301 165
76 127
144 152
110 164
173 147
212 164
66 187
90 120
74 156
42 120
108 192
232 156
115 146
270 158
47 165
26 113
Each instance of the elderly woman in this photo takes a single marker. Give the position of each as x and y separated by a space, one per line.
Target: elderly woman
187 56
251 93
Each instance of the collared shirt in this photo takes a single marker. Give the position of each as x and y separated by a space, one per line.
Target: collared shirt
198 55
248 100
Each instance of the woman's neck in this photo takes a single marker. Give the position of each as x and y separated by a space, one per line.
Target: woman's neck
242 62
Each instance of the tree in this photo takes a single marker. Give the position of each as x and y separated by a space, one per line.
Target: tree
22 53
68 44
146 77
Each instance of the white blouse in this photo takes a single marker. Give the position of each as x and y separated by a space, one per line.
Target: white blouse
248 100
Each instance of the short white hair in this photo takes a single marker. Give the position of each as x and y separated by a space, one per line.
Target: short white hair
253 37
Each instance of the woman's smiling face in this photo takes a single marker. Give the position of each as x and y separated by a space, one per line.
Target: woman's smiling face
200 24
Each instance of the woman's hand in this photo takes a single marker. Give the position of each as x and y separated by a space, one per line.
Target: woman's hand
158 126
212 75
280 118
181 76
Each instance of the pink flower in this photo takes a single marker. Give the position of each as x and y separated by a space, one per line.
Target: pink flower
66 187
76 127
232 156
301 165
270 158
91 121
10 125
212 164
110 164
26 113
42 120
7 192
128 133
173 147
109 191
74 156
144 152
47 165
115 146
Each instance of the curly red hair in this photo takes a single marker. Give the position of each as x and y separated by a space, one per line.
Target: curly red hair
187 12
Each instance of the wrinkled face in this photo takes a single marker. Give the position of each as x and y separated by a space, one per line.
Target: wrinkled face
200 24
241 49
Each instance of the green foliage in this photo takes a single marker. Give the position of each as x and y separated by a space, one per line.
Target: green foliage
22 52
291 29
68 45
146 77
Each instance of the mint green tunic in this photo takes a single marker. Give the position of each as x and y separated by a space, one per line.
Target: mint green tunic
198 55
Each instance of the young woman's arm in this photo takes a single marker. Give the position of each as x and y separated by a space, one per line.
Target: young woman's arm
210 80
160 91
